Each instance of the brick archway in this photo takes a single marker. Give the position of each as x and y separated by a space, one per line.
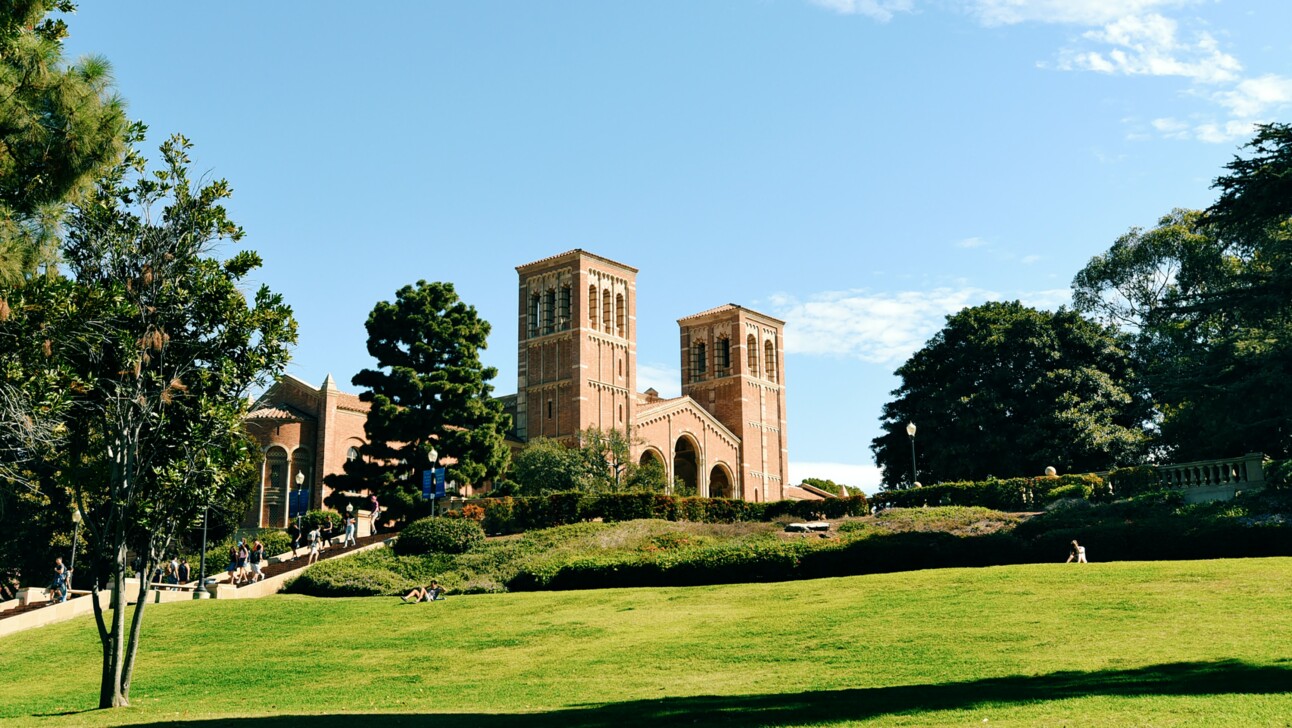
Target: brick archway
686 464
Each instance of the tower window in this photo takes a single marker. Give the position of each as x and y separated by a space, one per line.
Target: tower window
563 313
621 315
549 409
770 350
699 361
621 413
592 306
751 355
621 367
549 311
533 315
722 357
605 311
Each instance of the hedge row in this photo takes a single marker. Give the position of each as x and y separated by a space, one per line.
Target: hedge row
1010 494
1151 539
515 515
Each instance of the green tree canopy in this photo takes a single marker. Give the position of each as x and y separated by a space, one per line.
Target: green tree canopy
429 391
602 463
60 126
144 356
1005 390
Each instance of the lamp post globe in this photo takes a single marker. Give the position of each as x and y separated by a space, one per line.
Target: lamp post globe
910 432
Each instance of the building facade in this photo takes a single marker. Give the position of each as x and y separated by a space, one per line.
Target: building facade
576 369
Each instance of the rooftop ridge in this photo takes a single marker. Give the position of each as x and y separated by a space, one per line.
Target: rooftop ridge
575 251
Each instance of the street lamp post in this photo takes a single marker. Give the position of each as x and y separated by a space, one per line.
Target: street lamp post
910 432
433 457
76 538
200 592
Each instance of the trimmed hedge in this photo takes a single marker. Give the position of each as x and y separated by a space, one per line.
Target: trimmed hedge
519 514
439 536
1010 494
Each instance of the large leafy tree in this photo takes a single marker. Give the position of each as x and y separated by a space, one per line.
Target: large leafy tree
601 463
429 392
60 127
152 344
1006 390
1208 298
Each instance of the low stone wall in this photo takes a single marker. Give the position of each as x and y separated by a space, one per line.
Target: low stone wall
49 615
275 584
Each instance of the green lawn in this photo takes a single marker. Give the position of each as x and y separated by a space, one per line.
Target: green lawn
1164 643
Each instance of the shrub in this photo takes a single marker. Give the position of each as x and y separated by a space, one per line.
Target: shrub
312 519
1075 490
1278 474
1127 482
439 535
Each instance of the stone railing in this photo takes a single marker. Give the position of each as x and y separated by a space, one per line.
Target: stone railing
1209 480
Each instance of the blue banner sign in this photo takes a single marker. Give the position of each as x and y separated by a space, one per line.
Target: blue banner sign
427 483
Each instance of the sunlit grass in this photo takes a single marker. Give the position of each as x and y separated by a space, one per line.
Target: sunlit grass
1166 643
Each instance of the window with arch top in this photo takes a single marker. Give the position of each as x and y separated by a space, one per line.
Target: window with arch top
549 311
699 363
592 306
722 357
621 315
769 351
605 310
751 355
563 312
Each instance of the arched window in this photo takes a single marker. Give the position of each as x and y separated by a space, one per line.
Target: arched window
592 306
533 315
352 454
698 361
605 310
563 313
722 357
621 315
751 355
769 363
549 311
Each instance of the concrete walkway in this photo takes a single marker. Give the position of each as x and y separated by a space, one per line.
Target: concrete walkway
27 617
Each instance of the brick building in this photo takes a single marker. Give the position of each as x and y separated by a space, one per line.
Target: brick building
576 369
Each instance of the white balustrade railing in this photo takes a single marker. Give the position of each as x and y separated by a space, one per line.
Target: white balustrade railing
1209 479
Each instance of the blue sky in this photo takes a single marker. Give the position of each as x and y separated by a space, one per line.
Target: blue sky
859 168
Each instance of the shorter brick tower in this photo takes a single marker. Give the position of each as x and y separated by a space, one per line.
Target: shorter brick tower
733 365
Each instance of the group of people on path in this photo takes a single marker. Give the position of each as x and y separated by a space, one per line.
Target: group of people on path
245 562
320 537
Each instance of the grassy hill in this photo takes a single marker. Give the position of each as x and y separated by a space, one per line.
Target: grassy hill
1164 643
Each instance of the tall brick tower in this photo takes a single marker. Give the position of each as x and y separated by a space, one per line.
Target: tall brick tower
577 362
733 365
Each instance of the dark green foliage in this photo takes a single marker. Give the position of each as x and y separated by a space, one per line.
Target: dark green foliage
439 536
515 515
602 463
1006 390
1133 481
428 392
61 126
1010 494
312 519
1278 474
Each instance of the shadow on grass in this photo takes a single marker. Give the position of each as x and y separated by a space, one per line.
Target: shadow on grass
1183 678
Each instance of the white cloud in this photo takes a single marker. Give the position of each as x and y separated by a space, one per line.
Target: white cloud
883 328
1149 45
1031 259
664 379
1073 12
881 10
866 477
878 328
971 243
1254 97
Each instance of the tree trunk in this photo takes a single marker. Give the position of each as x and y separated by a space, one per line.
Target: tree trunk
110 693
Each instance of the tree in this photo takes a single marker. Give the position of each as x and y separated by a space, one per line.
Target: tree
1005 390
830 486
429 391
156 346
547 466
60 127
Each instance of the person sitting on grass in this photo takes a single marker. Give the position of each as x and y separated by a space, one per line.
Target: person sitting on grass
1077 554
431 593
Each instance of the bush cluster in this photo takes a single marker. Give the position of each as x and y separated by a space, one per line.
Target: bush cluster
1009 494
516 515
439 536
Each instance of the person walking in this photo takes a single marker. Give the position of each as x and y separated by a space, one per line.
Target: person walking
58 588
294 531
349 532
185 573
244 553
314 546
325 534
233 564
375 507
257 556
